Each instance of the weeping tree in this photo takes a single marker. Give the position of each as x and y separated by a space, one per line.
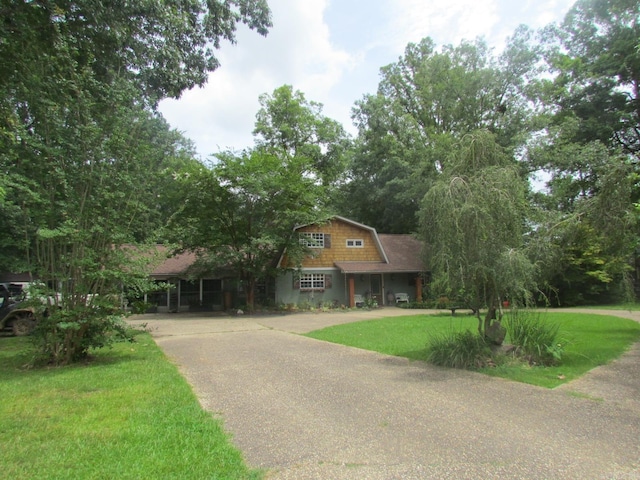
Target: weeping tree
473 220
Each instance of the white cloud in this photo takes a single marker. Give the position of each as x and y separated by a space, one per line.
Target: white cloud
444 21
301 50
297 51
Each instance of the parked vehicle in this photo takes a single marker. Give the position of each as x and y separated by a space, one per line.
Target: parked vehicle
14 317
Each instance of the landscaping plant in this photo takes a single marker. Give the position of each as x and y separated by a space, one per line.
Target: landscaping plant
536 339
458 349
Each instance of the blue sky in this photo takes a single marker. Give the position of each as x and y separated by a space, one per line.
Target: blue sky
332 51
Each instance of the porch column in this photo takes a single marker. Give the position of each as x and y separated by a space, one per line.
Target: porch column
418 288
352 291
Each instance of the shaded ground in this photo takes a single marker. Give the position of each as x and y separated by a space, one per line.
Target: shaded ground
307 409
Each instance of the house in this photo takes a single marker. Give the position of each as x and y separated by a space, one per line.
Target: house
180 292
350 263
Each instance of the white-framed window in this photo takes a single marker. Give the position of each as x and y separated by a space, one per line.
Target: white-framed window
312 281
312 240
355 243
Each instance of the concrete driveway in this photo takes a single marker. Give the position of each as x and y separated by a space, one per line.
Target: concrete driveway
306 409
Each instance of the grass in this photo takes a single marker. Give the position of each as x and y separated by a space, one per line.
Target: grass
128 414
629 307
588 340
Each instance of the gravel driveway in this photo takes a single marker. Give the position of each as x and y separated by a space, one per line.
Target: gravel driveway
306 409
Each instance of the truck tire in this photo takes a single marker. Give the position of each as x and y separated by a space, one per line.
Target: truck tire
23 325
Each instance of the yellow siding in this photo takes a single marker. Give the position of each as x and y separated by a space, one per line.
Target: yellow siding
340 232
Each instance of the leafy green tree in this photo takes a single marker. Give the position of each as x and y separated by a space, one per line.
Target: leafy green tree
473 221
162 47
585 233
425 103
596 62
289 126
78 141
588 148
240 213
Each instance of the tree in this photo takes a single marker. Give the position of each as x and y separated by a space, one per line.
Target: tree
595 58
473 221
289 126
588 147
79 141
585 235
240 213
162 47
425 103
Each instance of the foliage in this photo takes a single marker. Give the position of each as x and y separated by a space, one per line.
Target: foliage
473 219
81 148
161 51
586 227
588 146
595 58
68 335
536 339
240 213
126 414
289 126
407 130
463 349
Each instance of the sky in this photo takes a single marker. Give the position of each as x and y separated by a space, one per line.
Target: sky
332 51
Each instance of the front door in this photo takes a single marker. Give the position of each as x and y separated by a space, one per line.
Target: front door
376 288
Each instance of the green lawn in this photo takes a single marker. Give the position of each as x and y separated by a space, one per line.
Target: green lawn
127 415
589 340
629 307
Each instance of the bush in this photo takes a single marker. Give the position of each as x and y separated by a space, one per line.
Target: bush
68 334
536 340
459 350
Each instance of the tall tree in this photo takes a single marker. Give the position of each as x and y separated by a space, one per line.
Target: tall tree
427 101
240 213
290 126
78 140
589 149
596 61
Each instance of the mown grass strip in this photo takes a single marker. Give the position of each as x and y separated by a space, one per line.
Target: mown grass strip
127 414
588 340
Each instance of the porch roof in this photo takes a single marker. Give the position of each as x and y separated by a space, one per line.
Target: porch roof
370 267
403 251
174 266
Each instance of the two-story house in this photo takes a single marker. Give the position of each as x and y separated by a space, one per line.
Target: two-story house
351 263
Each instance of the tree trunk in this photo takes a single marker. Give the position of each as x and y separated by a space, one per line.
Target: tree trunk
251 287
489 317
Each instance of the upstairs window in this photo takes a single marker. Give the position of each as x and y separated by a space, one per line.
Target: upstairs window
355 243
314 240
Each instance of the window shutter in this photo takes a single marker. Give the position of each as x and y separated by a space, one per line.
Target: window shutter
328 280
327 240
296 282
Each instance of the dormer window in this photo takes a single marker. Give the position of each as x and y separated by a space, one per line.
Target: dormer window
312 240
355 243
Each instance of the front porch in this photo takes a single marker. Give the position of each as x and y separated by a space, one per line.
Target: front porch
382 289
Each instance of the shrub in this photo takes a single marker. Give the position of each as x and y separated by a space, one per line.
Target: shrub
536 340
67 335
458 350
442 302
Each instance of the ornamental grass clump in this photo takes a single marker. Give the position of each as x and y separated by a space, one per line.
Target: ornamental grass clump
535 339
462 349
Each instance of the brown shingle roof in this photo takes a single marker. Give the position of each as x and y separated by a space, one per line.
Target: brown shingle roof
403 251
174 266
